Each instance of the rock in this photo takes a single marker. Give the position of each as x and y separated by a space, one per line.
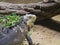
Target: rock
58 1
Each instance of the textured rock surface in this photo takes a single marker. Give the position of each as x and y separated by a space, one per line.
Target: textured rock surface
41 10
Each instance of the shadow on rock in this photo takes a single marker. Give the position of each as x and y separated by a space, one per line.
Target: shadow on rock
49 23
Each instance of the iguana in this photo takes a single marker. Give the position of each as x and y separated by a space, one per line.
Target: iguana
15 35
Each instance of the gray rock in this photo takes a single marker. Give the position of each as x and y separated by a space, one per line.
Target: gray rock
58 1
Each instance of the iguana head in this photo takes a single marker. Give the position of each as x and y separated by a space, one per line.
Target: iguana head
29 19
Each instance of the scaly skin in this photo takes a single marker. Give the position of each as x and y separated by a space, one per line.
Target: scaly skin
29 20
15 35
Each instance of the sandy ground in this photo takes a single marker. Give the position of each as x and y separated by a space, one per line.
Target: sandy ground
56 18
42 35
45 36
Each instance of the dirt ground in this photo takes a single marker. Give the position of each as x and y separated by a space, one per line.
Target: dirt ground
42 34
